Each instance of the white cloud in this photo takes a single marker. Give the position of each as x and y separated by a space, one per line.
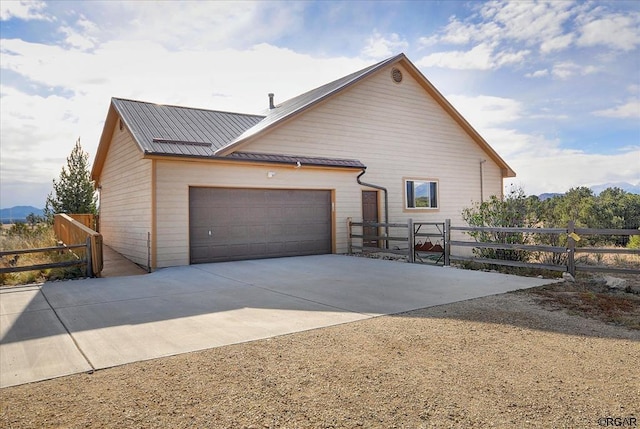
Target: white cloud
567 69
457 33
504 33
558 43
38 131
531 23
48 125
543 165
485 111
199 25
631 109
478 58
614 30
379 46
538 73
23 9
84 37
481 57
563 170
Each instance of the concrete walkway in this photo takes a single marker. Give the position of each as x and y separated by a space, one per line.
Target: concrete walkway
116 265
68 327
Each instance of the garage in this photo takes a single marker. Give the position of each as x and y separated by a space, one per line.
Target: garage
227 224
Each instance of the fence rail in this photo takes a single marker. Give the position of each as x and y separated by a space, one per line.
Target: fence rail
36 267
405 242
70 231
413 231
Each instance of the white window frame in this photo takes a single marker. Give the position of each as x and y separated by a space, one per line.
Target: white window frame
433 187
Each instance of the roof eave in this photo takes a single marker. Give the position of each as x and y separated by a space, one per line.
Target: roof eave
103 145
113 115
168 156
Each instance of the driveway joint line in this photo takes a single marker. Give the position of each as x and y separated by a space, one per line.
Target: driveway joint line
93 368
110 301
287 294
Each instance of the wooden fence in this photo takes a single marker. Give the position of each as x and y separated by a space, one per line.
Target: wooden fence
572 248
408 243
72 232
75 237
87 219
411 239
85 260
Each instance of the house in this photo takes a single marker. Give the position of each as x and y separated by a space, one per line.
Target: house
180 185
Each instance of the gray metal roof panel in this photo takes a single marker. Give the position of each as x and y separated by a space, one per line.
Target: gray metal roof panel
164 129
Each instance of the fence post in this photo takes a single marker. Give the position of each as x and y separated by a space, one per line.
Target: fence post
148 252
447 242
88 258
349 239
411 238
571 249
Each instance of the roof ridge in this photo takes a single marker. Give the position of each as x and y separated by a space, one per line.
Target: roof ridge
348 79
289 107
175 106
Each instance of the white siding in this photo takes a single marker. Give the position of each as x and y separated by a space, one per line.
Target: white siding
396 130
125 198
173 179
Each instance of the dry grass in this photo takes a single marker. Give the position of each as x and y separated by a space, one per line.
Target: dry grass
610 260
19 237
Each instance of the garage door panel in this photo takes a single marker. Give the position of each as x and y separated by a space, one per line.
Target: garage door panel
199 253
256 223
259 232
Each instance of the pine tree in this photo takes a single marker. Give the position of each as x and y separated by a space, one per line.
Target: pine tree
74 191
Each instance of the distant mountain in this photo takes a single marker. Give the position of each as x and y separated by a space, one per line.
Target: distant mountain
597 189
548 195
18 213
627 187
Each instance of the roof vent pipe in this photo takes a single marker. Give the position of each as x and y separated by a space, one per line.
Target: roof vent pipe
271 105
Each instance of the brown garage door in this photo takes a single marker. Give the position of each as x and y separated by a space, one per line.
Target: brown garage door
228 224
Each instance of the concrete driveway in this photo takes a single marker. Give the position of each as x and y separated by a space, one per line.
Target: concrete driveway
68 327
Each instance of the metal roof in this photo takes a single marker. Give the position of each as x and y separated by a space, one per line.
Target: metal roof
187 132
182 131
175 130
303 101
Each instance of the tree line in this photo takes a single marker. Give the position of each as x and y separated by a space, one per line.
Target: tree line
613 208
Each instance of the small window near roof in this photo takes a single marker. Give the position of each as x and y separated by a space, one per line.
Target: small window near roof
421 194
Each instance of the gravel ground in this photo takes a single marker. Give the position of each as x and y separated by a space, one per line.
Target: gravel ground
502 361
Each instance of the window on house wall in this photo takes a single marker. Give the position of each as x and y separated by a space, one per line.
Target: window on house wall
421 194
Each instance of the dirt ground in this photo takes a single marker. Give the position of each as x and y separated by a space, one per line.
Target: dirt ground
522 359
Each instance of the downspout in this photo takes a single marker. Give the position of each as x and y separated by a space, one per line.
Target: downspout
482 181
386 203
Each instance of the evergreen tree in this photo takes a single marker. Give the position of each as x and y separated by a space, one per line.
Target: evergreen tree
74 191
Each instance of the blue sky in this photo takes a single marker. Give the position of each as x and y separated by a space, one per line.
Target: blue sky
554 87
